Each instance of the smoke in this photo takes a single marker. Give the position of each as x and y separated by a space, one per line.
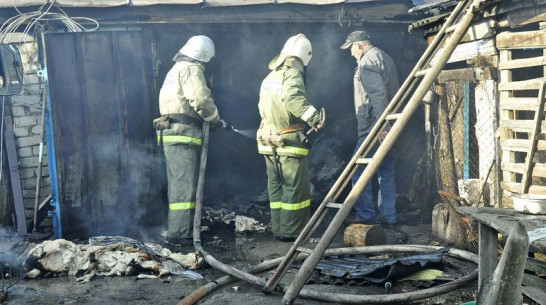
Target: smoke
126 188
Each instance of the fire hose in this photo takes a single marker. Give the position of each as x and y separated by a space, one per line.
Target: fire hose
306 292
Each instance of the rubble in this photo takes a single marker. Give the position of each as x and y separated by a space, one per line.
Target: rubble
245 224
108 256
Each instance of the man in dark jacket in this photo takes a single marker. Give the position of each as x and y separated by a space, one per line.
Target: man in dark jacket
375 84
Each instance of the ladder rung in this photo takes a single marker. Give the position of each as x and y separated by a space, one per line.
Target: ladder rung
421 72
363 160
334 205
304 250
392 117
451 28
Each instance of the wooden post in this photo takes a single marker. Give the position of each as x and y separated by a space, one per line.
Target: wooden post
14 173
488 253
504 287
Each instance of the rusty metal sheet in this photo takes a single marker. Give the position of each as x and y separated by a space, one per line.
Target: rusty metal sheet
102 100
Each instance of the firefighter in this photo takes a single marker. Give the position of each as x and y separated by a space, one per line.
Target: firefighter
185 101
284 110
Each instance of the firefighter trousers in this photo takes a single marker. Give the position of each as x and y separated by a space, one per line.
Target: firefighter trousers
182 163
289 199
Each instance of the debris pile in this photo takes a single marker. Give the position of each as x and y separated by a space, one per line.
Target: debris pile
108 256
245 224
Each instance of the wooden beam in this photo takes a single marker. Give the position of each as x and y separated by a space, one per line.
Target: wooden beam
520 125
465 74
393 13
520 40
525 16
506 134
523 63
539 170
530 84
15 176
480 30
518 103
515 187
520 145
469 50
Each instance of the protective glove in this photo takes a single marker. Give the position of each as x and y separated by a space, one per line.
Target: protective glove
222 124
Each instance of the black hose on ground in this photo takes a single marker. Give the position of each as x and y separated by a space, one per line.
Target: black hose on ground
305 292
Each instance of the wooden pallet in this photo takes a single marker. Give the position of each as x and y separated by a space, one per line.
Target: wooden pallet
522 65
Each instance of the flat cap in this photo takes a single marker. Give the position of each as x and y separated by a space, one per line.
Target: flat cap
354 37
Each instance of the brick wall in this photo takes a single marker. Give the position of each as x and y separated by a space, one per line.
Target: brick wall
27 120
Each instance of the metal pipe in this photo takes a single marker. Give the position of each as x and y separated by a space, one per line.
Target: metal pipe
197 220
39 169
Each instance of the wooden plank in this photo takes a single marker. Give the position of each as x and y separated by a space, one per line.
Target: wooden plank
523 63
520 125
503 219
506 76
520 40
472 49
518 103
487 252
480 30
465 74
535 265
533 140
520 145
535 288
539 170
530 84
526 16
393 13
15 176
515 187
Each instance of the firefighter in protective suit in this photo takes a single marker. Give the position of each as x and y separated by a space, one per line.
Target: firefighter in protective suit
284 110
185 101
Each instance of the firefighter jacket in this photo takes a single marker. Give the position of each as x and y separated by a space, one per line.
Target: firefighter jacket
375 84
282 104
185 92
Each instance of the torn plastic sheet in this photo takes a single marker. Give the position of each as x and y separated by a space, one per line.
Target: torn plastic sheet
363 269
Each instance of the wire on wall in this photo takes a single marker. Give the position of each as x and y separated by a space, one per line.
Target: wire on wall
42 20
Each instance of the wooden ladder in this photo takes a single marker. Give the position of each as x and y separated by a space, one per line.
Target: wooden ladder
419 82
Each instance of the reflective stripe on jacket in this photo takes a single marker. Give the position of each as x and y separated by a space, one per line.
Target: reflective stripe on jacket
283 103
185 91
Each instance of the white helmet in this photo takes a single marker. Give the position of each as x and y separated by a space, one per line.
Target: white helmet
200 48
298 46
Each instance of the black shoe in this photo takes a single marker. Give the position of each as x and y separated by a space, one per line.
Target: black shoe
179 242
357 220
387 224
285 239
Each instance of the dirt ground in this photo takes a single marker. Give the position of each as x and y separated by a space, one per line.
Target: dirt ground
240 251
